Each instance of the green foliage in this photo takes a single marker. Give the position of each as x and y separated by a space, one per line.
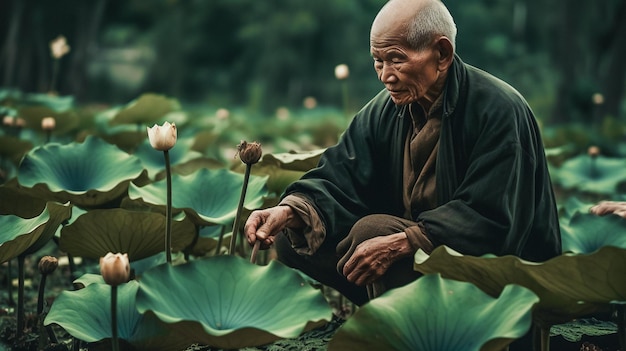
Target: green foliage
448 315
568 286
207 196
225 311
68 172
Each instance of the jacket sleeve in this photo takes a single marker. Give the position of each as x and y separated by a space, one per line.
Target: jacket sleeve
343 187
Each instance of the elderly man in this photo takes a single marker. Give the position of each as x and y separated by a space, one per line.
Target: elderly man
446 154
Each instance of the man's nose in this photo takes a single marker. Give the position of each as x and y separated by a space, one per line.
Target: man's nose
387 74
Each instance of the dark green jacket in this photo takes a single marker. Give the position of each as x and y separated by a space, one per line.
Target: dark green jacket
493 188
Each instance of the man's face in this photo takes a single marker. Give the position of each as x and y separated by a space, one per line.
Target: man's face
408 75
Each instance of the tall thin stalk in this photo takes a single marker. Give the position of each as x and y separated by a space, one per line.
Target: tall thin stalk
114 338
233 238
168 209
20 296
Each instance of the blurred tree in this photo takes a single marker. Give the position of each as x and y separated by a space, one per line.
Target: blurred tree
589 55
264 55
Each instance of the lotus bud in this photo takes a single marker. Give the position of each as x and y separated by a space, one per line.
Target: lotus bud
115 268
163 138
8 120
59 47
593 151
249 153
342 71
597 98
48 123
20 122
48 264
222 114
309 102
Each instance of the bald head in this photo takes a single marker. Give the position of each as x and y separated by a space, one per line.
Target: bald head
417 22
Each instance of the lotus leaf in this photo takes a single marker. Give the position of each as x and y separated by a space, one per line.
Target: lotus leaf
86 315
52 101
301 161
154 162
568 286
127 140
59 213
14 148
18 234
572 206
147 109
227 302
65 121
599 175
284 168
140 234
19 201
208 196
434 314
586 233
87 174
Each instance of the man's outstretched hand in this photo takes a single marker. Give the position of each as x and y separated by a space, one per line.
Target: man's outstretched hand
609 207
263 225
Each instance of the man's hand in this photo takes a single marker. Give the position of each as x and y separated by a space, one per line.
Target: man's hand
263 225
609 207
373 257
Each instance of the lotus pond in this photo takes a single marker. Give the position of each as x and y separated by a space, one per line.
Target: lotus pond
95 184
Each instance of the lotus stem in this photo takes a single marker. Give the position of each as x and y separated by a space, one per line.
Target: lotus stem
545 339
20 296
621 325
40 297
255 251
168 209
346 99
55 73
114 339
233 239
219 240
10 283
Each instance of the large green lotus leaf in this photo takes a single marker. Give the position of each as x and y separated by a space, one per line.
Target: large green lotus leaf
18 201
18 234
52 101
586 233
59 214
86 315
300 161
140 234
88 174
227 302
572 206
209 196
65 121
600 175
433 314
127 140
283 168
568 286
148 108
154 161
14 148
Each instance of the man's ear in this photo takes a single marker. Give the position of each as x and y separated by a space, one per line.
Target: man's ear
446 53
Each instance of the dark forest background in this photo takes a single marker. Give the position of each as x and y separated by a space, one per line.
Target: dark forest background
264 54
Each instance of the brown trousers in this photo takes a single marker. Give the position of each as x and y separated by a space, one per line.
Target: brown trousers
326 264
